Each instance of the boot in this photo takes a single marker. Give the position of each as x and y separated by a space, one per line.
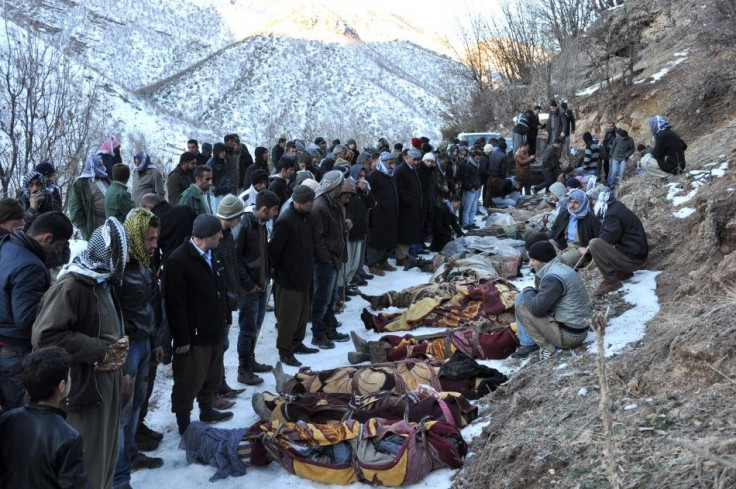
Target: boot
378 351
260 408
357 357
228 392
143 461
281 378
361 346
378 302
384 265
255 366
208 414
245 372
376 270
182 421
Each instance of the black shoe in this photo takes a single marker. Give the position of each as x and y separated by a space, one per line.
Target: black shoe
144 430
214 416
351 291
358 282
290 360
323 343
228 392
305 350
367 276
524 351
182 421
260 367
247 377
333 335
145 444
143 461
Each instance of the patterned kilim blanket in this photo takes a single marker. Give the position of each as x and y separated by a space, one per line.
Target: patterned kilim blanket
487 301
321 407
389 453
400 377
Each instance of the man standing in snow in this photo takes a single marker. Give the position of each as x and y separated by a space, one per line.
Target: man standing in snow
197 196
621 246
556 314
180 177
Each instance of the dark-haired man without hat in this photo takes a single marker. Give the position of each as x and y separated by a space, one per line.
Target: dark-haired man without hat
194 297
180 177
557 313
292 253
117 198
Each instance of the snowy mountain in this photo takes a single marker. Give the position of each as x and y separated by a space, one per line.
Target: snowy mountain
261 69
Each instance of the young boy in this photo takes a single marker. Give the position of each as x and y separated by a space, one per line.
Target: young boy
40 449
445 222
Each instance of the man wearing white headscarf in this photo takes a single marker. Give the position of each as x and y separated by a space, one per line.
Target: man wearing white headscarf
668 155
78 313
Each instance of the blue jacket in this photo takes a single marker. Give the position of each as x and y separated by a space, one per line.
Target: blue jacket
23 281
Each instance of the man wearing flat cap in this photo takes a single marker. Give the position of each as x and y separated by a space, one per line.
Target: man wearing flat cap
194 296
556 314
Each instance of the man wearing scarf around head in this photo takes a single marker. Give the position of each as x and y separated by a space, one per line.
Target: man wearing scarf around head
87 197
383 222
140 303
79 314
621 246
575 226
146 178
668 155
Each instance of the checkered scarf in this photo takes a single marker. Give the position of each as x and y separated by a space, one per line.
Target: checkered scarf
106 254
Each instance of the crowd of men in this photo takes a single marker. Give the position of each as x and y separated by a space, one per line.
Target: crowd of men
169 259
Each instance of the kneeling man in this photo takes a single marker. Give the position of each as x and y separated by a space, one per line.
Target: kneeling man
555 315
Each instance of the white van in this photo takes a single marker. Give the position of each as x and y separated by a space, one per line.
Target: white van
472 137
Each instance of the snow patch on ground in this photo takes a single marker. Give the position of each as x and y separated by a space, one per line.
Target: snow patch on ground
630 326
684 212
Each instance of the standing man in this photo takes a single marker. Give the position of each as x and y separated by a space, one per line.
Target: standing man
193 148
140 304
222 175
194 296
278 150
607 149
550 165
254 270
24 278
555 124
291 250
180 177
621 246
383 224
410 204
531 136
470 182
280 182
197 196
328 225
78 313
117 199
568 129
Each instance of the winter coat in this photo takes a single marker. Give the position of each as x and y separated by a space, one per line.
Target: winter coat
280 187
226 255
82 208
588 228
253 263
176 226
46 453
71 315
497 164
197 200
176 183
224 179
591 160
276 153
248 178
245 160
669 151
357 211
623 148
428 177
555 126
291 250
149 181
551 158
47 204
444 223
328 217
607 146
411 216
194 296
140 301
469 176
523 163
23 281
118 202
569 126
623 229
383 221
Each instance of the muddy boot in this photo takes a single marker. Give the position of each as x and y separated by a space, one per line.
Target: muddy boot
361 346
411 262
245 372
255 366
367 319
260 408
379 351
358 357
281 378
378 302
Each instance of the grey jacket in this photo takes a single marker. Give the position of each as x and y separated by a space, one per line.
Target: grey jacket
623 148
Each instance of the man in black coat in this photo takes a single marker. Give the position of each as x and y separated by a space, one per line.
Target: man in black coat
445 223
277 151
383 222
668 153
176 225
410 204
291 250
194 297
621 247
531 135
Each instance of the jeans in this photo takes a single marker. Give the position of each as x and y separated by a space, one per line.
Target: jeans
470 206
323 299
11 381
524 338
136 365
251 311
618 169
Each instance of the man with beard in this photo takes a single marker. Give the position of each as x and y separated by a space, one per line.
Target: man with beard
180 177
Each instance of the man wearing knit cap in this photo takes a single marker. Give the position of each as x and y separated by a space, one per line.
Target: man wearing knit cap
11 216
556 314
254 272
328 231
117 198
48 171
292 254
410 204
230 211
194 296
